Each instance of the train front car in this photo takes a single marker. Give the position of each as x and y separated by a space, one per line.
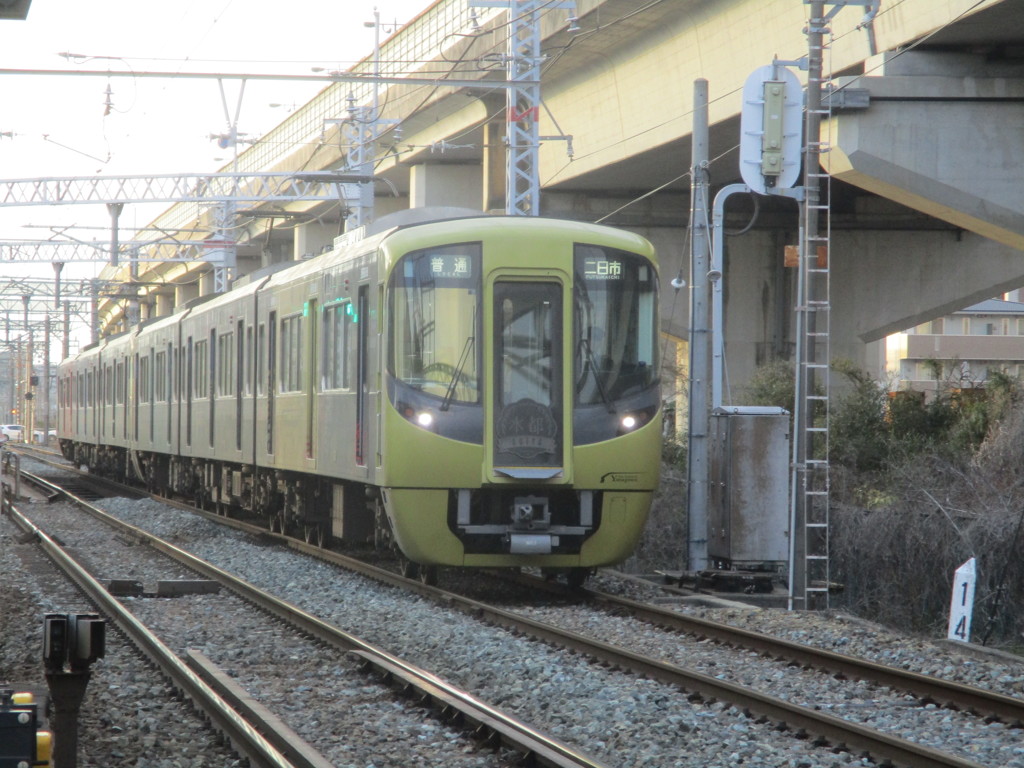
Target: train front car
522 420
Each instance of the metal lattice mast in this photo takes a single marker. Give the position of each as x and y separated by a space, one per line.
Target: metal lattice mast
224 257
522 184
359 134
809 568
523 100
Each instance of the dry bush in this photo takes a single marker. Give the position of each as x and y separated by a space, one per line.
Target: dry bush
663 544
897 562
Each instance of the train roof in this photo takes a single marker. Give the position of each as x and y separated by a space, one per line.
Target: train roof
484 225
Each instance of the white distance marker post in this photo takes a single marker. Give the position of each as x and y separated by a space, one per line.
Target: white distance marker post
961 605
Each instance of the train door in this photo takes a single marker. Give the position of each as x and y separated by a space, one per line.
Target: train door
176 373
149 390
211 378
362 374
134 396
171 366
124 370
108 400
271 379
312 371
239 379
528 418
187 388
92 418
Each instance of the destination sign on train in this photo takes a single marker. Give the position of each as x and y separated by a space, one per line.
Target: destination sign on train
446 265
602 269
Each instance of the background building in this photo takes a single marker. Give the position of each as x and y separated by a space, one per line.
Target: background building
959 349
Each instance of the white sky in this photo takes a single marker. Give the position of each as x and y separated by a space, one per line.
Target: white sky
157 126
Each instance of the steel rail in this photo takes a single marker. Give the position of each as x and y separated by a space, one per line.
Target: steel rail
930 690
841 733
801 720
248 742
536 747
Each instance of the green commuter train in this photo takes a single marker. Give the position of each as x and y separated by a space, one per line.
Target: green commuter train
481 391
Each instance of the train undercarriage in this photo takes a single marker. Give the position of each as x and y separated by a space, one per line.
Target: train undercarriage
313 508
322 510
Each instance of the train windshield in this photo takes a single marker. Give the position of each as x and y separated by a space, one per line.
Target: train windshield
615 325
435 322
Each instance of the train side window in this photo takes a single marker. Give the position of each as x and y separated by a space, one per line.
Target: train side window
199 366
160 377
226 358
143 378
291 353
339 320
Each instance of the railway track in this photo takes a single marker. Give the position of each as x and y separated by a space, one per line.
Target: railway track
823 729
256 732
927 689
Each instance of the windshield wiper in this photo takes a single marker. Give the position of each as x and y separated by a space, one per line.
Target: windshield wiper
457 373
597 377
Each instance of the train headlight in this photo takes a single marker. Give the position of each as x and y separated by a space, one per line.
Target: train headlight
628 422
425 419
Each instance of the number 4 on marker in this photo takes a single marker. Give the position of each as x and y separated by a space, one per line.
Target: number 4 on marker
962 602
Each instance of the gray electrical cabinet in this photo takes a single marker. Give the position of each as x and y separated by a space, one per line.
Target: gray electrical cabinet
748 514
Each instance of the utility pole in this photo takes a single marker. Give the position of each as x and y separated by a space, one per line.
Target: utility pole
699 338
65 350
29 403
44 383
11 368
115 214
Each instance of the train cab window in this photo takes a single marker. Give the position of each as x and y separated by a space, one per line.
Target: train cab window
434 311
615 325
615 342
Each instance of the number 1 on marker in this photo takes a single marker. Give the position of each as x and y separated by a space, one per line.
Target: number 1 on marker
962 603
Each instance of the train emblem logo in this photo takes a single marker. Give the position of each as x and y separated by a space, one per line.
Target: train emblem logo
526 429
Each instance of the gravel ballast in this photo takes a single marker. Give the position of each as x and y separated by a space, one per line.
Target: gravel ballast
616 717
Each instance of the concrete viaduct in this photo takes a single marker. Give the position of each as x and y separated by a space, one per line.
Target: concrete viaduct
926 153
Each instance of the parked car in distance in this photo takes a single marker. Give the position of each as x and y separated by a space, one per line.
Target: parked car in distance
39 437
13 432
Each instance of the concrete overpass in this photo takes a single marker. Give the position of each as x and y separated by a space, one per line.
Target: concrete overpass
926 152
